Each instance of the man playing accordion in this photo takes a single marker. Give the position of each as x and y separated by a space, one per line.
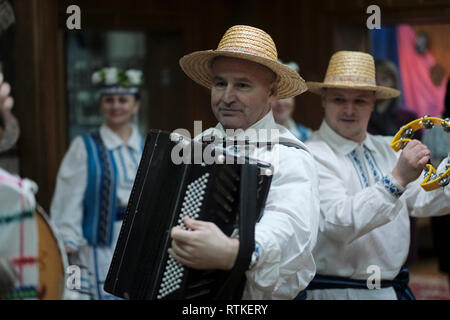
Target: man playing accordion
245 78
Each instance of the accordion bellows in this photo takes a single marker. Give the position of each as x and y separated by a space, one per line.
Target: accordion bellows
230 194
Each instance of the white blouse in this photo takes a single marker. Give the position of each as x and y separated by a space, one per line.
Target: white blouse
67 203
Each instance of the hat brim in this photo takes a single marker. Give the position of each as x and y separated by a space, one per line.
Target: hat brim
380 91
197 66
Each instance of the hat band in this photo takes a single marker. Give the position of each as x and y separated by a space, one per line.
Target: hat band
244 50
356 79
119 91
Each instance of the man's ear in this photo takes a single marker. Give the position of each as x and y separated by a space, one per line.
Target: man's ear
374 102
323 97
273 89
273 94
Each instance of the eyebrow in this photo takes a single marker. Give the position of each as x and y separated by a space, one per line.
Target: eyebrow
339 95
242 79
238 79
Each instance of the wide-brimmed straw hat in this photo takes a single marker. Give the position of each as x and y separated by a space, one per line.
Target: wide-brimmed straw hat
247 43
352 70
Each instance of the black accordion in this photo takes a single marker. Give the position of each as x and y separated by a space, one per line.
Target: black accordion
230 192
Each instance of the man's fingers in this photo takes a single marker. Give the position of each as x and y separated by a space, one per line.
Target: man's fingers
181 249
420 158
8 104
414 146
5 89
413 143
180 259
195 224
179 234
423 161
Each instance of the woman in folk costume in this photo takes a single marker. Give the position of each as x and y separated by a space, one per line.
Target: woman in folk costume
95 180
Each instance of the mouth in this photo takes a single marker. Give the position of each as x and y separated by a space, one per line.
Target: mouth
229 111
115 115
345 120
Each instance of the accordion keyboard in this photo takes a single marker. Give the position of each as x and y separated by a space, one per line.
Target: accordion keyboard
192 203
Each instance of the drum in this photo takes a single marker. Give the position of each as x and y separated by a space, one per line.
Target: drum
52 259
29 243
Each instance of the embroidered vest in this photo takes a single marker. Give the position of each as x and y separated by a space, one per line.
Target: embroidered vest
100 204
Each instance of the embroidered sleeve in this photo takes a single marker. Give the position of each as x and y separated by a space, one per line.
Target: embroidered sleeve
392 186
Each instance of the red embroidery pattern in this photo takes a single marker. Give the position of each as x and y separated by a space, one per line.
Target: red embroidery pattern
351 79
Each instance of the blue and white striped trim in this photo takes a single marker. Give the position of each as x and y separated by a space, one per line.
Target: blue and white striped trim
362 175
71 244
392 186
255 257
128 179
376 171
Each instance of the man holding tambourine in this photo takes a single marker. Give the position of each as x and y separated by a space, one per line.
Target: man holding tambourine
367 189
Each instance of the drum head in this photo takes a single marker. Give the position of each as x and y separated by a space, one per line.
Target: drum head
51 263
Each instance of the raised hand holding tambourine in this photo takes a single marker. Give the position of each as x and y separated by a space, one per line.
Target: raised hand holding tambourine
432 180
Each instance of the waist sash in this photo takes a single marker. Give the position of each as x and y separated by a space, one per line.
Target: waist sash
399 283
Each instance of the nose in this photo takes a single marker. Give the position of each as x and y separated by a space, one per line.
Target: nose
349 108
229 95
116 103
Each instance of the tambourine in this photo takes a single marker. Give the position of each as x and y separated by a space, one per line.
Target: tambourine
432 180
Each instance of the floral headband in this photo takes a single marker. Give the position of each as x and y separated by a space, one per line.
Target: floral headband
117 81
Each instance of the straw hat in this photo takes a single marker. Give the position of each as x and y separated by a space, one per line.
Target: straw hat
248 43
352 70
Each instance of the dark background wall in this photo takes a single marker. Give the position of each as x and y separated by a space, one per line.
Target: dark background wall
307 32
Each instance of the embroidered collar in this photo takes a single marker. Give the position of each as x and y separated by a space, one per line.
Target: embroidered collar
340 144
267 130
113 141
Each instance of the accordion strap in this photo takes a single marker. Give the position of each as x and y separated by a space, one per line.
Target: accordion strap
234 285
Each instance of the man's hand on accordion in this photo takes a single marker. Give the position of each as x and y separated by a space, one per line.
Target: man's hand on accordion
204 247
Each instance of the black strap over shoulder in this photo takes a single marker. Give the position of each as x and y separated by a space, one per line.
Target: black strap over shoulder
247 221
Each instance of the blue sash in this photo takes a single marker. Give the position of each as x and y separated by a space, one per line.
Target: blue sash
399 283
100 195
